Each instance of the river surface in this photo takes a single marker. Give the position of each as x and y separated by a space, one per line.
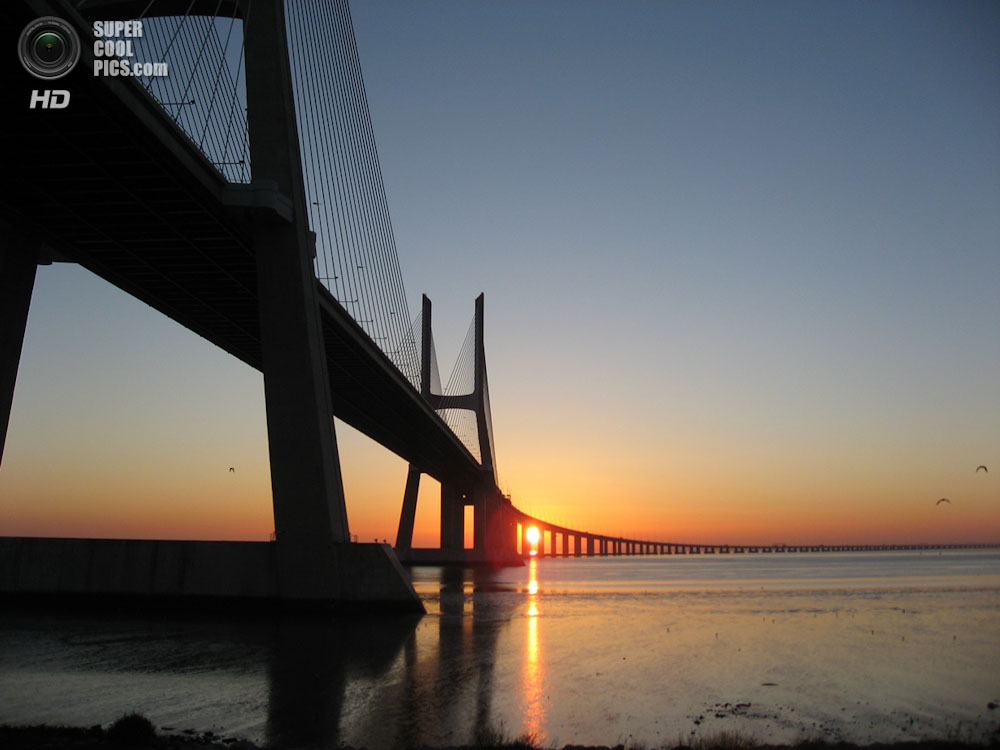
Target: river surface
862 647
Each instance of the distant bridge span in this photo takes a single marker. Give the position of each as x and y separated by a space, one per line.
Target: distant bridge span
559 541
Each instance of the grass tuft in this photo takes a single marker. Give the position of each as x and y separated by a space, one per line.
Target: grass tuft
496 738
133 730
722 741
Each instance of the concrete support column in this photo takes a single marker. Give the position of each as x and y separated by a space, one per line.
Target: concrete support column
18 263
482 518
495 530
310 514
452 517
404 535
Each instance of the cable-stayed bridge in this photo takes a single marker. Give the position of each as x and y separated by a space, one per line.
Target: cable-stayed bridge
215 159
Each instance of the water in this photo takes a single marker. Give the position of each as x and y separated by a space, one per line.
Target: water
864 647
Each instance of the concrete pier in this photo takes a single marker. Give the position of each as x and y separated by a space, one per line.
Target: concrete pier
351 577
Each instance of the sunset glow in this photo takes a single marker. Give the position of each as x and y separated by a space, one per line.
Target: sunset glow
779 328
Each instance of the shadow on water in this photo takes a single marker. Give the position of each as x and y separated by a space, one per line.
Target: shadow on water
286 674
314 660
291 679
445 694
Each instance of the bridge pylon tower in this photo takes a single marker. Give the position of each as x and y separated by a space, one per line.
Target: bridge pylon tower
495 536
315 559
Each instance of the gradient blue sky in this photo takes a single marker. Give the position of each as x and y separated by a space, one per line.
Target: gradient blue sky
742 275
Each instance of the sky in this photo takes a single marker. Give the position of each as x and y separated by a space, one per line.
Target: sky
741 265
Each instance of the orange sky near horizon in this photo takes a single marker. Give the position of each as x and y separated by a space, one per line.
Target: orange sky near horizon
94 450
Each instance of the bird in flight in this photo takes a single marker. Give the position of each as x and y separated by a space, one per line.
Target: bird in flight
943 500
231 468
983 468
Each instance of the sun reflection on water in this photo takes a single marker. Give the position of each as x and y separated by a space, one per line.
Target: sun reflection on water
533 710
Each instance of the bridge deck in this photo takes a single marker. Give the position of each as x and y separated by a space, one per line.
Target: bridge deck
121 190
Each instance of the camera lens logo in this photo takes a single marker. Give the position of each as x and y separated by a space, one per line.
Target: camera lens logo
49 48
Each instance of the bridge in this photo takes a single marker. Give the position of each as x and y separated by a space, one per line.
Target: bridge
240 195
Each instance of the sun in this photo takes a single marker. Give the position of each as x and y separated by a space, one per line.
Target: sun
533 534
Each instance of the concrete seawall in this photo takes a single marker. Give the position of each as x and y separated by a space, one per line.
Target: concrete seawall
352 577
